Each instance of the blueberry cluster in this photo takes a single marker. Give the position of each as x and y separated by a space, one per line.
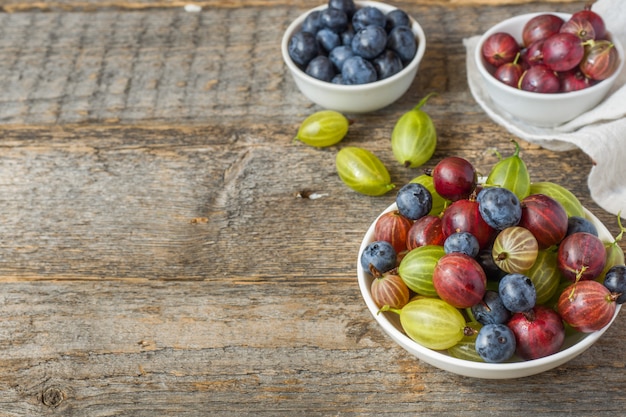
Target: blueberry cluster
345 45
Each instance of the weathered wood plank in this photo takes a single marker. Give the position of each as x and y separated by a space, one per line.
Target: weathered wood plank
13 6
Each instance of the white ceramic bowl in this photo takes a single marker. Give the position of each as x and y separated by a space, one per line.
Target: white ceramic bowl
543 110
574 344
355 98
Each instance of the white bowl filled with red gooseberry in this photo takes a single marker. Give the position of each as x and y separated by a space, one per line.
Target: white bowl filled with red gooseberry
548 68
493 277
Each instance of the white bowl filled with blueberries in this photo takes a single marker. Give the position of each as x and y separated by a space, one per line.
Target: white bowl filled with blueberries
353 56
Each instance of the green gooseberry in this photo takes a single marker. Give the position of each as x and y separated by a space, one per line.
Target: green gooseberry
414 137
362 171
323 128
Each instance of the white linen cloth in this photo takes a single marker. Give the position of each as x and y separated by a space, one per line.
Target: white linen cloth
600 132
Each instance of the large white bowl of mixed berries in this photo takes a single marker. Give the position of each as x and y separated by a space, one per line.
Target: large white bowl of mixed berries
353 56
497 277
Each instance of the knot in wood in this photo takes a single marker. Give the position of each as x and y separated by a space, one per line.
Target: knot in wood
52 397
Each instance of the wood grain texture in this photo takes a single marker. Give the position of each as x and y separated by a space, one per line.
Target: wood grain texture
12 6
157 256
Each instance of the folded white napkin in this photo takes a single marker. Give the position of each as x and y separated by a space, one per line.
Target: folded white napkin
600 132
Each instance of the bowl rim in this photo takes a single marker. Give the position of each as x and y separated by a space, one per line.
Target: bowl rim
482 69
470 368
417 29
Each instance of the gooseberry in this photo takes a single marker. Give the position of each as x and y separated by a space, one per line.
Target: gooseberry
540 79
587 306
541 27
389 289
600 60
562 51
500 48
454 178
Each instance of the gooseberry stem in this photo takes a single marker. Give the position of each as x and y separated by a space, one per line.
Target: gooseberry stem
388 308
468 331
517 148
579 275
530 315
497 153
621 228
375 272
423 101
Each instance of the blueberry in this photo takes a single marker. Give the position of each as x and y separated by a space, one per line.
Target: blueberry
347 6
462 242
369 42
327 39
387 64
395 18
367 16
517 292
495 343
499 207
321 68
337 79
312 22
402 41
485 259
379 255
615 281
357 70
347 36
577 224
339 55
303 48
491 310
334 19
414 201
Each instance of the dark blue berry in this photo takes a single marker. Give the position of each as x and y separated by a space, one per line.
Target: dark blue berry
321 68
462 242
577 224
387 64
414 201
357 70
499 207
347 6
495 343
347 36
380 256
328 39
337 79
334 19
395 18
517 292
369 42
367 16
302 48
312 22
339 55
491 310
485 260
402 41
615 281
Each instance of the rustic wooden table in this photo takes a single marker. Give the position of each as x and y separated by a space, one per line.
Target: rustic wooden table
156 258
